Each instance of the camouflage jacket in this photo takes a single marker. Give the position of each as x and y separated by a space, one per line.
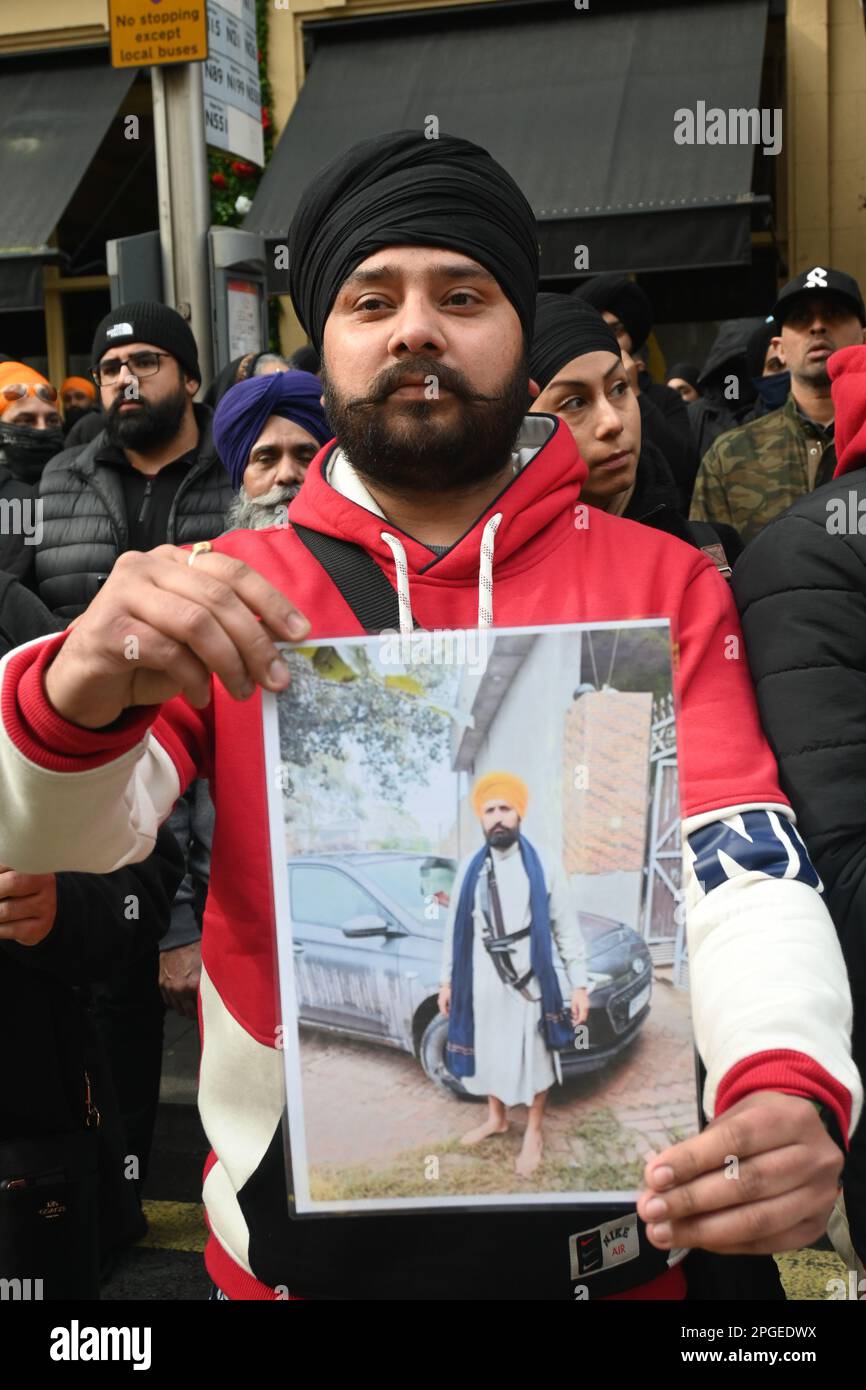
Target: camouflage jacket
751 474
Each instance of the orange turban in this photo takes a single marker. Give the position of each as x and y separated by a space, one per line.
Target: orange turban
500 786
11 373
79 383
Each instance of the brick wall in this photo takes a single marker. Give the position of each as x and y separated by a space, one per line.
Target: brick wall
606 782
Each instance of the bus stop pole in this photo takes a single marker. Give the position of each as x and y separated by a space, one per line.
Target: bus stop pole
184 200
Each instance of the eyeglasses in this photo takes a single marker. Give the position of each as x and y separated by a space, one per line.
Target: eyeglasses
17 390
139 363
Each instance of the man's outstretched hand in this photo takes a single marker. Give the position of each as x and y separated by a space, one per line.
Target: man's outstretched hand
160 627
761 1178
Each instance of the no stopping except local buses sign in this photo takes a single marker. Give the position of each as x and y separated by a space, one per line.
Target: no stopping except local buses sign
145 32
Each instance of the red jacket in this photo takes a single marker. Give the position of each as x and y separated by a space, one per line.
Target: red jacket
556 561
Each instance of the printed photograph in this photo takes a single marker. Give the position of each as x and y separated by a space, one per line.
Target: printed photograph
483 973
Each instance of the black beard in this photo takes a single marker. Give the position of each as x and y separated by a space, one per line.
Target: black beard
150 427
415 454
500 837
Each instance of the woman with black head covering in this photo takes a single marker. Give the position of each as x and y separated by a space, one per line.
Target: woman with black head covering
578 363
627 309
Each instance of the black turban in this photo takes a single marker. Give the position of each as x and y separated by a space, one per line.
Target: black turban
621 296
684 371
566 328
404 190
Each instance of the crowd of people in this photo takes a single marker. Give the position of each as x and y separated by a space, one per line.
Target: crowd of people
133 824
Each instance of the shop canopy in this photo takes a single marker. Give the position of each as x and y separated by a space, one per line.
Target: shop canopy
578 105
54 115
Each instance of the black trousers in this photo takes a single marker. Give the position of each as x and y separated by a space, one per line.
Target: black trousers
129 1014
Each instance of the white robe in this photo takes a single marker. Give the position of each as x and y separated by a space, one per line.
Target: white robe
512 1061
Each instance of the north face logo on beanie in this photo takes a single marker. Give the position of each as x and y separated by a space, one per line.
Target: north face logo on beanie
151 322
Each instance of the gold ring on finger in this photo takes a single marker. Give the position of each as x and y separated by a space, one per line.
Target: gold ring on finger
200 548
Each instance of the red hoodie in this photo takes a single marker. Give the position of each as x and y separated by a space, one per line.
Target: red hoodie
555 561
847 369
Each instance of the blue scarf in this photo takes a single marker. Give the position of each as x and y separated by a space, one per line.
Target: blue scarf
772 392
555 1028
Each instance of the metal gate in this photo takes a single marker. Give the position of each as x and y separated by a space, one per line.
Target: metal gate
663 932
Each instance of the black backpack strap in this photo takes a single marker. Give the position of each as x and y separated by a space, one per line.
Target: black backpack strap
707 539
368 592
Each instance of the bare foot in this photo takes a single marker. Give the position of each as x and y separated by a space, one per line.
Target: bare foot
530 1155
481 1132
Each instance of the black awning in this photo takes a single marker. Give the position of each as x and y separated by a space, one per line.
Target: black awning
578 106
53 118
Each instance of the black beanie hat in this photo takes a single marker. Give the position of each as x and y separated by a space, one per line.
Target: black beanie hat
148 322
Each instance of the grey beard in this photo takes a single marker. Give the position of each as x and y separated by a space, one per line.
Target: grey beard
247 513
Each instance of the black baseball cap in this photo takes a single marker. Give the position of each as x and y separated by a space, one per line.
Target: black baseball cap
817 280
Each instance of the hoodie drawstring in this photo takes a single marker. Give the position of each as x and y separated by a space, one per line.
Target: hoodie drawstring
402 568
485 572
485 576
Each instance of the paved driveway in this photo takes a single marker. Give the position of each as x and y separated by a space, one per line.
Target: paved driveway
365 1103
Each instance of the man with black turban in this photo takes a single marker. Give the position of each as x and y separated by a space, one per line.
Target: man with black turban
422 415
623 304
414 267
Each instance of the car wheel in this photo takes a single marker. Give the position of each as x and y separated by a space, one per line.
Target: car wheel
431 1054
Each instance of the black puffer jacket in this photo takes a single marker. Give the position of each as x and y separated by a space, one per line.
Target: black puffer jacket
84 517
801 589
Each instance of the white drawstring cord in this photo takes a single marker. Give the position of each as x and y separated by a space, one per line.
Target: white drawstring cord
485 576
485 572
405 607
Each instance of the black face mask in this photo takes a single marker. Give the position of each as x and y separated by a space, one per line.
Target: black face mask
26 450
773 390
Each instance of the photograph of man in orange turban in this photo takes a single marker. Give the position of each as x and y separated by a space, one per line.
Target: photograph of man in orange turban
509 908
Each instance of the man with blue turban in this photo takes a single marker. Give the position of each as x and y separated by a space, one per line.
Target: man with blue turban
267 431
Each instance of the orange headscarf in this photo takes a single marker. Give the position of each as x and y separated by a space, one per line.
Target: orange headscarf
79 383
500 786
11 373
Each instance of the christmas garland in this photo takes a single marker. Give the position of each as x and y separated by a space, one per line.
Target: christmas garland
234 181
